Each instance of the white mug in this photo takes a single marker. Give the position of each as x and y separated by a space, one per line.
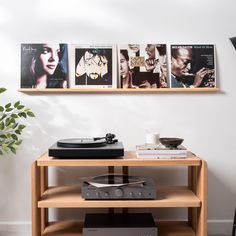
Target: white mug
152 138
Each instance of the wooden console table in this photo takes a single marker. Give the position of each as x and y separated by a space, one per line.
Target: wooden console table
193 196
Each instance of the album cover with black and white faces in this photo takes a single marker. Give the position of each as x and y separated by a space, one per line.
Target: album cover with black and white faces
142 66
93 66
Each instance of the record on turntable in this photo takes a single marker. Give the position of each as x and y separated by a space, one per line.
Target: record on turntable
87 142
113 180
81 142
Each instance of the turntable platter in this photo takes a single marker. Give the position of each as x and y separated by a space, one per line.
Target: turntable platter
81 143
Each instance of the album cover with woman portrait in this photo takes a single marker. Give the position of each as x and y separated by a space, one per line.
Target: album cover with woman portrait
142 66
93 66
44 66
193 66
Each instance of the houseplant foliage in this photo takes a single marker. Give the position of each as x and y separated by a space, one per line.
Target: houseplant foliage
11 126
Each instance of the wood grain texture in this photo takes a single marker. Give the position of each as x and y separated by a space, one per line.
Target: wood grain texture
35 186
129 159
70 197
193 196
119 90
73 228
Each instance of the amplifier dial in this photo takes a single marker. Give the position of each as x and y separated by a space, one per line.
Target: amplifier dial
118 192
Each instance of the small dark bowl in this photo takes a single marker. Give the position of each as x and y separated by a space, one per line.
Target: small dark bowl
171 142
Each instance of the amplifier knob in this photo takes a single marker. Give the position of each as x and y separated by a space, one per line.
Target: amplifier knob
118 192
131 194
140 194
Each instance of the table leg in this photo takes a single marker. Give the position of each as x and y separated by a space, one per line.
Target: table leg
202 182
36 212
192 180
43 187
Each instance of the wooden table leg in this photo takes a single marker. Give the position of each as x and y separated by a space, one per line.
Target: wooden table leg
43 187
192 180
202 186
36 212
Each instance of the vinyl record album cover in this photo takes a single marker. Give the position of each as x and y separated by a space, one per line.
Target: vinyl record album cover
93 66
193 66
142 66
44 65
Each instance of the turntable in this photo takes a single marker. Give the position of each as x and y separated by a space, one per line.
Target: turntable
84 148
116 186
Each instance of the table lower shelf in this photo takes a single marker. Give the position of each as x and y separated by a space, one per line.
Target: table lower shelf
70 197
74 228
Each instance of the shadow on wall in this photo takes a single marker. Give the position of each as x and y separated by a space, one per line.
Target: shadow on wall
73 116
221 205
55 120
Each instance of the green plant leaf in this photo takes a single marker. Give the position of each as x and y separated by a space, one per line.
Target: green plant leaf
12 120
3 117
14 125
2 126
7 121
14 136
5 148
20 107
3 136
30 114
2 90
20 127
13 150
18 142
9 109
14 116
22 114
11 143
10 126
17 131
17 104
8 105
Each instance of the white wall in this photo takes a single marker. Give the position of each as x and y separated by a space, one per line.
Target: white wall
206 121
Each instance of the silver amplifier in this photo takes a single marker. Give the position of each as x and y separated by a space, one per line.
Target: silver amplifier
115 186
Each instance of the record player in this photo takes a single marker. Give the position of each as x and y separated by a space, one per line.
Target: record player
116 186
84 148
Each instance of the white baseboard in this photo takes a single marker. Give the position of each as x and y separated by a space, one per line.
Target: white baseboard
220 227
15 228
23 228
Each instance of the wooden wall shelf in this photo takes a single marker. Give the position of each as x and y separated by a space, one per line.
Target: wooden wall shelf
119 90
